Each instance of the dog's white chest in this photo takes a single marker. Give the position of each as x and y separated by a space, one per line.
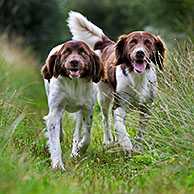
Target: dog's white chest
75 94
136 88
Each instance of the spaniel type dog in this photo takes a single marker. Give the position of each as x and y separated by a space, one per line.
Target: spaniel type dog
131 74
69 74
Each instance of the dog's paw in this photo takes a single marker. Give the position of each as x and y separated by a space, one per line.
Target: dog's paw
80 148
75 154
58 165
126 144
75 151
83 146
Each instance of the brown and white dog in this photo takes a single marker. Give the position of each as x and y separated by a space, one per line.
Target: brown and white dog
70 74
131 74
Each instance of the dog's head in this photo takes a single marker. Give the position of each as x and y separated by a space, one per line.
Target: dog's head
74 60
138 50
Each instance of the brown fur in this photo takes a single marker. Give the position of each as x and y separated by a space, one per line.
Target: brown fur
48 68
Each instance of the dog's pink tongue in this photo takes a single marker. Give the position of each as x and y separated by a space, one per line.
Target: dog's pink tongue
139 66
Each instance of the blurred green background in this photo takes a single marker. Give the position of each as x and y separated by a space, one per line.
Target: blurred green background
42 24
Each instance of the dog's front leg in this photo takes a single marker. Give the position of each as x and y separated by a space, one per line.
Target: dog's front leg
77 135
104 100
87 116
120 130
61 130
145 114
143 122
53 122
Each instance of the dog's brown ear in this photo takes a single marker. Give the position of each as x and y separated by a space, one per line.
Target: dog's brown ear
119 50
160 53
57 66
97 70
51 68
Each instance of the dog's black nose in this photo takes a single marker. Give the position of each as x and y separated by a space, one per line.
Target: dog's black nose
74 62
140 54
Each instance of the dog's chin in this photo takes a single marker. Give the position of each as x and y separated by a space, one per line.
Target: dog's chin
139 66
75 73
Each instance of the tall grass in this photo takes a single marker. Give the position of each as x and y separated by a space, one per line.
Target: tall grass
21 94
170 134
164 165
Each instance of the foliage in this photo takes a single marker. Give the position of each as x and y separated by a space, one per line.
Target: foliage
43 23
171 19
164 165
40 23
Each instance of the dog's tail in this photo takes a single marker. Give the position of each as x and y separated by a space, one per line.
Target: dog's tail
86 31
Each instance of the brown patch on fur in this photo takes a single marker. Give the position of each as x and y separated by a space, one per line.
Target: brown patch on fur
112 76
119 50
160 53
98 70
102 44
115 105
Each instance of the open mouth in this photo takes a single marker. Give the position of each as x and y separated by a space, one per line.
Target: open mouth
139 65
75 73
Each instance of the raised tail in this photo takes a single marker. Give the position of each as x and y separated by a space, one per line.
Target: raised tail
84 30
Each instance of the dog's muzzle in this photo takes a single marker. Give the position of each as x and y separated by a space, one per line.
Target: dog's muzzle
139 61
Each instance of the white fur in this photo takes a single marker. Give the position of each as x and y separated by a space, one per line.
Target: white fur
84 30
53 50
136 88
105 100
73 95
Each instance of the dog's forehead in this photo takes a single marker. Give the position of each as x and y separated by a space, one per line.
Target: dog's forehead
141 35
75 44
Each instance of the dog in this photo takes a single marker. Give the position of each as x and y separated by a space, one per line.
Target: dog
131 78
70 74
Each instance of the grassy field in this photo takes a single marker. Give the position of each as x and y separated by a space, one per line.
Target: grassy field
165 165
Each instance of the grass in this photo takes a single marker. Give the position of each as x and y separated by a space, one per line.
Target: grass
165 165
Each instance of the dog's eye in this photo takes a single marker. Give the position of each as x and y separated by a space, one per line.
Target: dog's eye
133 42
147 42
66 51
82 51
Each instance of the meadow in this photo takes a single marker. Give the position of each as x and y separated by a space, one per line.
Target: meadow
164 165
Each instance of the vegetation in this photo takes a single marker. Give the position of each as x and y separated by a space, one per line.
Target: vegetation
165 165
43 23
